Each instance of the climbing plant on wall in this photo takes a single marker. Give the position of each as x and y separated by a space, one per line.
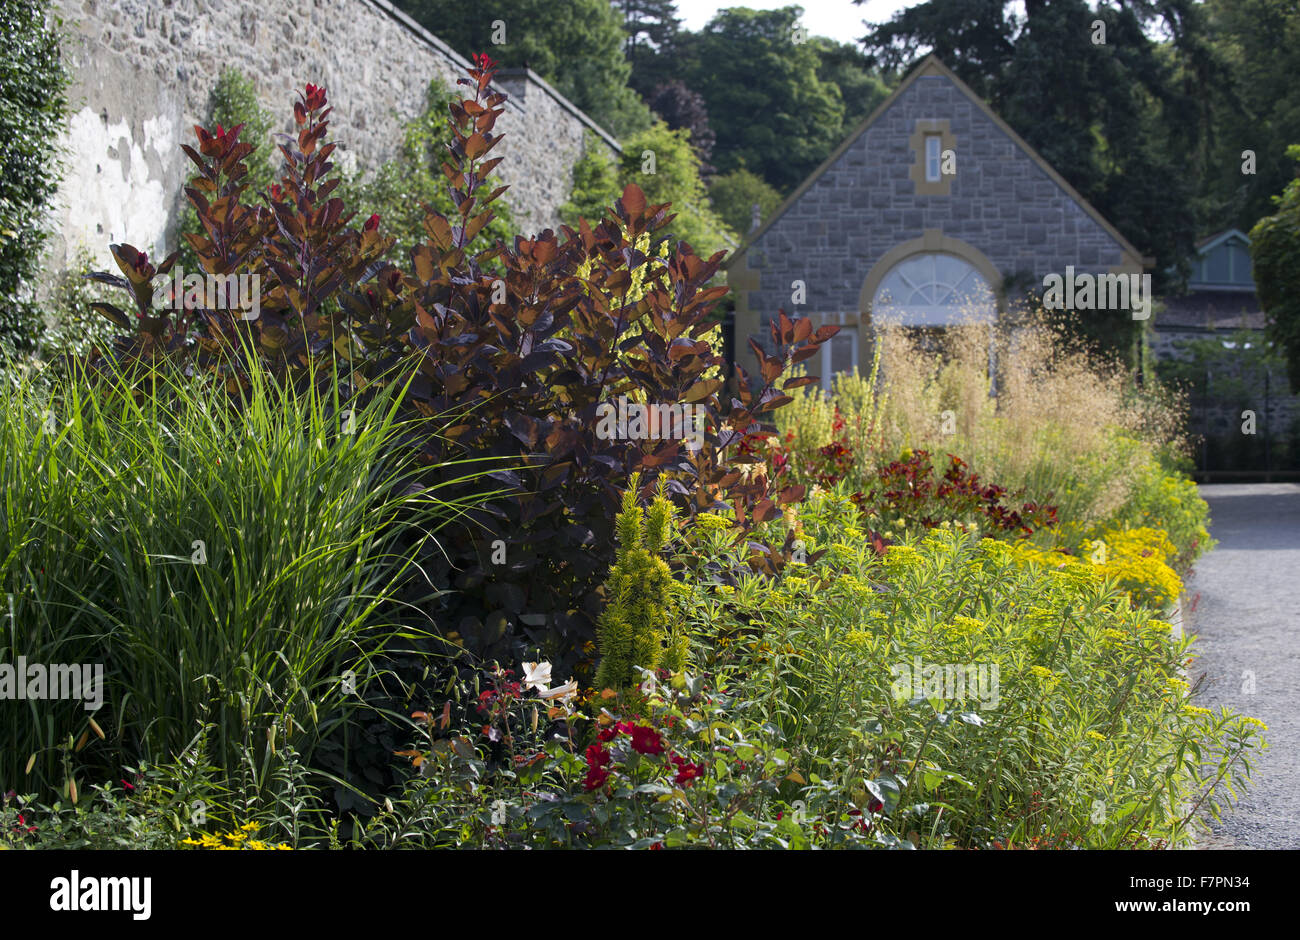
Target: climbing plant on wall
33 102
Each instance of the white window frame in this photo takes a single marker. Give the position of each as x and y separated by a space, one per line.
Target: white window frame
933 158
824 355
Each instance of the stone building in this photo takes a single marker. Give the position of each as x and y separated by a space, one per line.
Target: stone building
1220 295
143 72
931 211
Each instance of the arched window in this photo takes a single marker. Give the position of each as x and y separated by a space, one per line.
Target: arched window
933 289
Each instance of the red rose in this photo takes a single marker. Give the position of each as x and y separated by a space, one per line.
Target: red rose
686 772
646 740
597 759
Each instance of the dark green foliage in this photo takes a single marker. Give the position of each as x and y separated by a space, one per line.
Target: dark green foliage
576 45
767 104
861 88
649 25
1275 252
1253 105
735 194
33 103
510 366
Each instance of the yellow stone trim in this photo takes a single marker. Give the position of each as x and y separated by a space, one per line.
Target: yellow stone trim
742 279
947 141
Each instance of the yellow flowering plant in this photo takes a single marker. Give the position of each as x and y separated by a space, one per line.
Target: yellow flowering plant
1019 687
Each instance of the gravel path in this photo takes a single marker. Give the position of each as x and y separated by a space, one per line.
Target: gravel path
1246 617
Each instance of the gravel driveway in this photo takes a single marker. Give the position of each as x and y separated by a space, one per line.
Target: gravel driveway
1246 617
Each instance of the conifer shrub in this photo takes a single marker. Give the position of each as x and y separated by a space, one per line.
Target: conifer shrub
632 631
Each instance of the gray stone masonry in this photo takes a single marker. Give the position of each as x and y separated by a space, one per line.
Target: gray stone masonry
143 71
1002 203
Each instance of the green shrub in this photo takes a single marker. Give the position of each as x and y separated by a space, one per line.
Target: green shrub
735 194
33 105
634 626
1170 501
595 182
662 163
1275 253
987 696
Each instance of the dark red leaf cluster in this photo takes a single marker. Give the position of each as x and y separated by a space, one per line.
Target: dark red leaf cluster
908 488
508 354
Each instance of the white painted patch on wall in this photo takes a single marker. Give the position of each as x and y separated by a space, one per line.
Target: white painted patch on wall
112 193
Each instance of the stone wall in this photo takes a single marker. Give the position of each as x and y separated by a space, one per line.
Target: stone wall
143 71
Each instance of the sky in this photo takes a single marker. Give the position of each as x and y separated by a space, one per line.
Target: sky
837 19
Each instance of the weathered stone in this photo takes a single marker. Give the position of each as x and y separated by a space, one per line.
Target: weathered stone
1003 203
142 93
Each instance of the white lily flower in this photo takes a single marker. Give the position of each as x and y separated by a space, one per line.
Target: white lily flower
561 692
537 676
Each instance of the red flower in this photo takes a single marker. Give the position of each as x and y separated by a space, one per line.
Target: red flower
315 97
686 771
646 740
607 734
127 785
372 223
597 760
